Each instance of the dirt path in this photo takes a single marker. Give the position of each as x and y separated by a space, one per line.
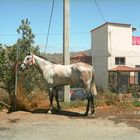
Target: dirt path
109 124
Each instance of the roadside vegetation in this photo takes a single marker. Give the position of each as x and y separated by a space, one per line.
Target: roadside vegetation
38 99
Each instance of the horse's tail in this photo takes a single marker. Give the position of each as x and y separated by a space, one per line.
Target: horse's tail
93 85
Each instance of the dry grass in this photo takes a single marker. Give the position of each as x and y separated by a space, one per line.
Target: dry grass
38 99
31 101
4 97
34 100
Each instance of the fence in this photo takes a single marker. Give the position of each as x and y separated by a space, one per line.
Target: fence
124 79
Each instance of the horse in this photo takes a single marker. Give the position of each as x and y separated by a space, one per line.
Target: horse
56 75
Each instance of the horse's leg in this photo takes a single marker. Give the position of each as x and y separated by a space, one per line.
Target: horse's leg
92 104
51 100
88 104
56 98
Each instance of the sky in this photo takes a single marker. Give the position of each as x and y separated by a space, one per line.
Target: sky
85 15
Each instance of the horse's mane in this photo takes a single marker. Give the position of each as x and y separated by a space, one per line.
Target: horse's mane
48 59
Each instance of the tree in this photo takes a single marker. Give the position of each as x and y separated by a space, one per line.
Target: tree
27 36
7 76
25 44
8 61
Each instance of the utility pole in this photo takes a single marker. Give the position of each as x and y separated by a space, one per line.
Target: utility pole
66 53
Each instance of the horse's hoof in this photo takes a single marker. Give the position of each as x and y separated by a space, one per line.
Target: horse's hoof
49 112
92 115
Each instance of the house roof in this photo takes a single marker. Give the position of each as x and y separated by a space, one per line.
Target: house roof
80 54
81 57
124 69
112 23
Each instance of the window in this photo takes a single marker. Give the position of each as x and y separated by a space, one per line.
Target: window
119 60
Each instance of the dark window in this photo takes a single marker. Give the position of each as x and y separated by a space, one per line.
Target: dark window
119 60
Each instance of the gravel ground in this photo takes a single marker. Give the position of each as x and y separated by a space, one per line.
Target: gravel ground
108 124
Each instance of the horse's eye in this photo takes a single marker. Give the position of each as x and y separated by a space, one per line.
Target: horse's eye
28 58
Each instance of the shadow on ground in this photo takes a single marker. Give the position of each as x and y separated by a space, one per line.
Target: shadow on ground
62 112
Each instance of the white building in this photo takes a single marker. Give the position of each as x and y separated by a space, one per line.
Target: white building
111 45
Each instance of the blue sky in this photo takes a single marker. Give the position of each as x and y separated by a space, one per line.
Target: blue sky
84 16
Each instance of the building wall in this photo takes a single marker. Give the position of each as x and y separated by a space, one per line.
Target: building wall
99 42
119 42
120 45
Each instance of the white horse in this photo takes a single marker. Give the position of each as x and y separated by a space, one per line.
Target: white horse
57 75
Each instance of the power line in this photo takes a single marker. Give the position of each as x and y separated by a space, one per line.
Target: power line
49 26
43 34
100 11
8 35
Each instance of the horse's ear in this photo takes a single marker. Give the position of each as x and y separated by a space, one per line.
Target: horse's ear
28 53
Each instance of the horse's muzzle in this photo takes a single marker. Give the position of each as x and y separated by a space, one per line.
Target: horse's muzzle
23 66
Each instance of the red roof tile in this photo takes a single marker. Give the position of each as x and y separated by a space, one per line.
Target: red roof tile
81 54
125 69
81 57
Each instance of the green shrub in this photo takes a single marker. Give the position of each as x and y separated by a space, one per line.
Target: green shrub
1 107
73 104
136 103
105 97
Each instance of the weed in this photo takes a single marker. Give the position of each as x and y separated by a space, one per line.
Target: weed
136 103
1 107
73 104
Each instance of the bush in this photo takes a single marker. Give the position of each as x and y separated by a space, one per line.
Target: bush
136 103
73 104
1 107
4 97
135 90
107 98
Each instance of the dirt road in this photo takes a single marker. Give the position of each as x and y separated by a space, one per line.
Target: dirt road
109 124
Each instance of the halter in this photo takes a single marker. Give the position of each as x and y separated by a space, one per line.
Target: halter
32 60
30 63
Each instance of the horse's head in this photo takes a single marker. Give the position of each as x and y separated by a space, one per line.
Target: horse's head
28 61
